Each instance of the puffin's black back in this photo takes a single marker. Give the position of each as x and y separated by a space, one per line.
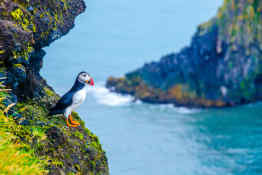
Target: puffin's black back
66 99
62 104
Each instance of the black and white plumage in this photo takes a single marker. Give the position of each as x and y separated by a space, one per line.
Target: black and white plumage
74 97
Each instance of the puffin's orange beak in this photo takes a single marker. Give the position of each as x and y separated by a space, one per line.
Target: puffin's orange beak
91 82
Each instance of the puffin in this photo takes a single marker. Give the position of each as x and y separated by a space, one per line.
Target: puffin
73 98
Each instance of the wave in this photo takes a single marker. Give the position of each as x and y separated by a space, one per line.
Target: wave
184 110
105 97
173 108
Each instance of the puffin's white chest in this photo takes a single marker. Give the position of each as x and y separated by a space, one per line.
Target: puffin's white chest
78 98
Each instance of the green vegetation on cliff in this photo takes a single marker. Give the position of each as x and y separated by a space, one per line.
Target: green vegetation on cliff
44 144
16 157
33 142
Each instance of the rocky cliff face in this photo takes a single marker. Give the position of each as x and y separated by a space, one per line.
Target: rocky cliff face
221 67
26 26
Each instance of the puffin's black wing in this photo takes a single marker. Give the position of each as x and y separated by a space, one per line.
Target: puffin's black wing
62 104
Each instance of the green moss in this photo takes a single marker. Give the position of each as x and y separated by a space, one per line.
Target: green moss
25 21
94 140
22 19
57 163
76 139
205 27
38 132
65 4
79 135
49 92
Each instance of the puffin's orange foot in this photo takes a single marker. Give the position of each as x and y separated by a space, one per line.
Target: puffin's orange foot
72 121
69 125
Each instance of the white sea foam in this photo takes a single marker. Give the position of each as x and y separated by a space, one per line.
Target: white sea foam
180 110
184 110
104 96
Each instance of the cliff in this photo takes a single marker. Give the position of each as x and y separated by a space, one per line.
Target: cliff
30 141
221 66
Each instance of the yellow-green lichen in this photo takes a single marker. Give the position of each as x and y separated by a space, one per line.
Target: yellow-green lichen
21 19
49 92
25 53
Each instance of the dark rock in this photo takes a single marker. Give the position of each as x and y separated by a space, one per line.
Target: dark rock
56 136
24 122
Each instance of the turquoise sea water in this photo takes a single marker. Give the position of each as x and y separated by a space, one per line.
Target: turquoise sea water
114 37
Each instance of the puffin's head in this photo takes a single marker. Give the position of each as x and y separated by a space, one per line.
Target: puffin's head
84 77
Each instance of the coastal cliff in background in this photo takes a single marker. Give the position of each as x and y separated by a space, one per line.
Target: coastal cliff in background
221 67
31 142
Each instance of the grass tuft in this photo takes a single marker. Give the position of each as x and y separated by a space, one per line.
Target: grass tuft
15 157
